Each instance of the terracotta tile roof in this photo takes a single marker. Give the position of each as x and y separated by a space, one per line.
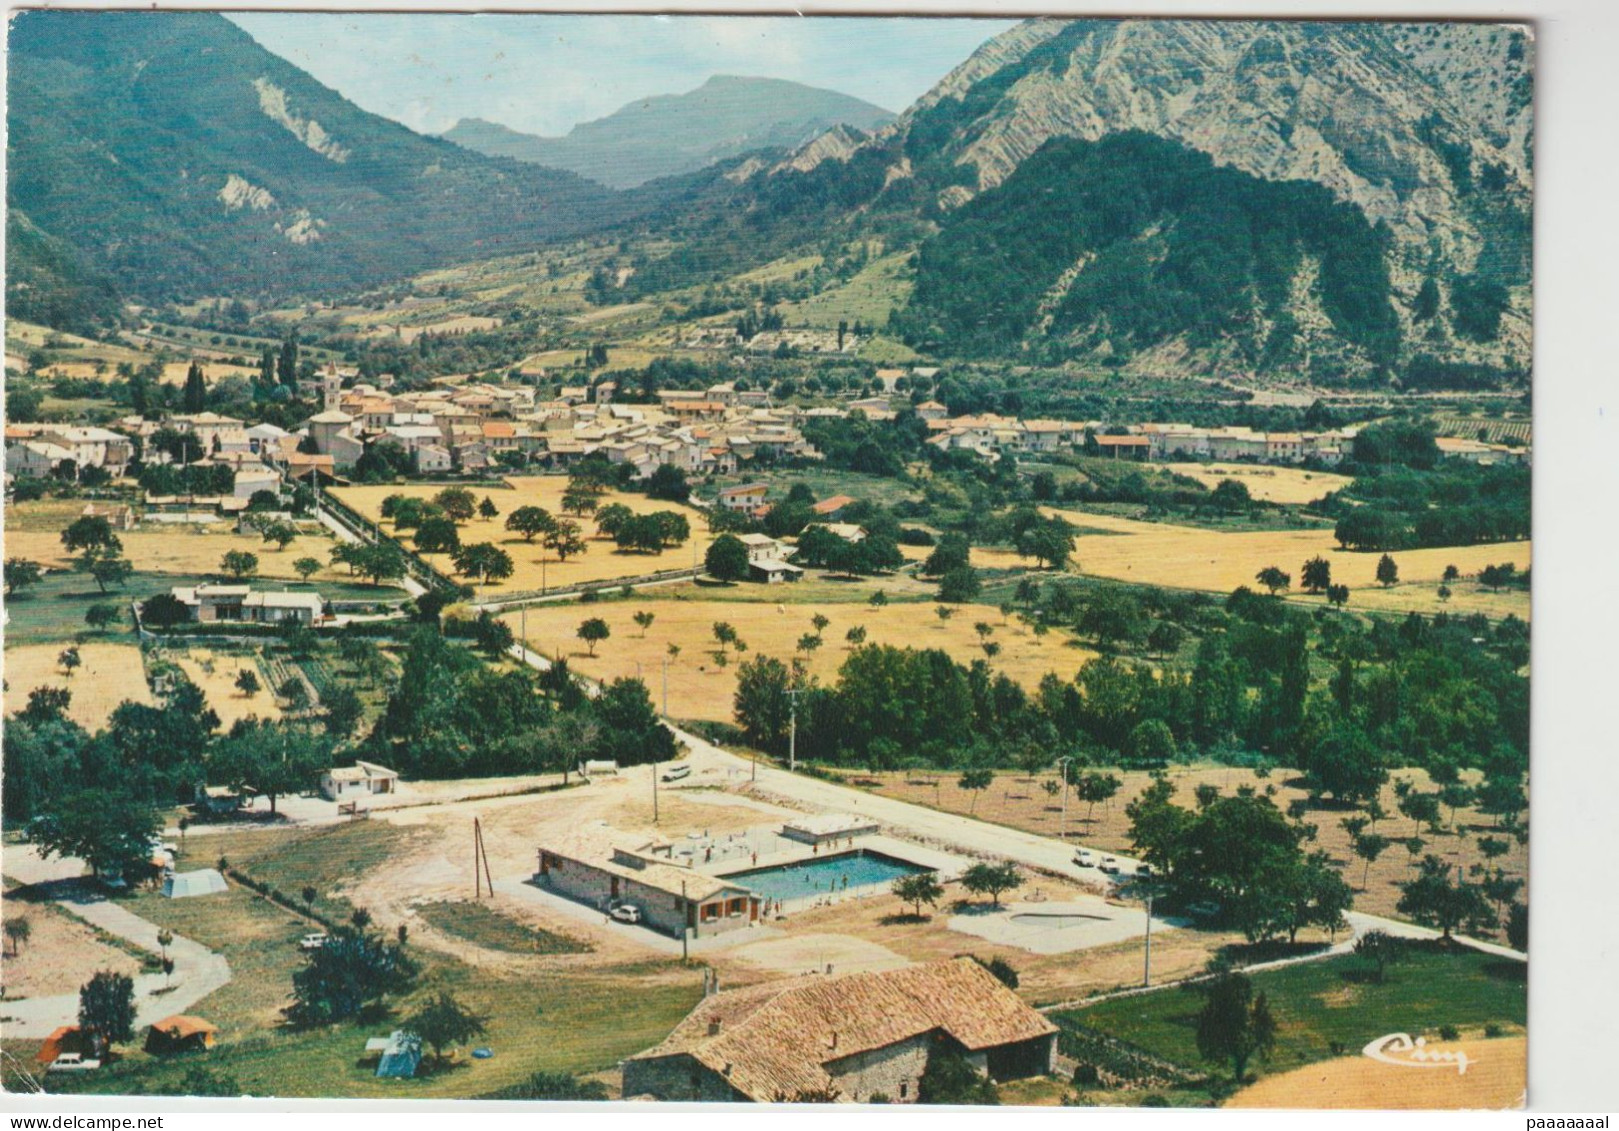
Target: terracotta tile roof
776 1040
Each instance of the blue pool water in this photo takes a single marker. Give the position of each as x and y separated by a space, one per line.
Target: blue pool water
820 875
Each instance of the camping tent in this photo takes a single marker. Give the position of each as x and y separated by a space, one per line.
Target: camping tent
401 1056
182 885
64 1038
180 1033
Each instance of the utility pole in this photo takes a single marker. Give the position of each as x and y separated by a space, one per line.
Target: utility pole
654 793
792 732
685 927
666 686
1146 965
1062 768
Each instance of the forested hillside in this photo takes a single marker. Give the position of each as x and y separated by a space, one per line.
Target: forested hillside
171 152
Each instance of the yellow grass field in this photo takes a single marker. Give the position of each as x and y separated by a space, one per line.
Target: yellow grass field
1495 1078
186 549
215 674
601 563
109 674
1187 557
700 689
1268 484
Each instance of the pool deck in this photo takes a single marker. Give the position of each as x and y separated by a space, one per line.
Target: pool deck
763 847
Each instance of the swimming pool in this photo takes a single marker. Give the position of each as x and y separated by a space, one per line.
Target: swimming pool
846 871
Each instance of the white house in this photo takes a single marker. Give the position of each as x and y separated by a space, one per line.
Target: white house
343 783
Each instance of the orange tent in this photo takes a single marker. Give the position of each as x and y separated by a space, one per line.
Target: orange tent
180 1033
65 1038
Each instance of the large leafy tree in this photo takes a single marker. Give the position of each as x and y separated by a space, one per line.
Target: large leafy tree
443 1021
727 559
109 829
269 758
107 1009
1234 1024
762 706
354 968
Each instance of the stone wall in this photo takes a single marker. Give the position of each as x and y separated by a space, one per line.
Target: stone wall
678 1078
892 1071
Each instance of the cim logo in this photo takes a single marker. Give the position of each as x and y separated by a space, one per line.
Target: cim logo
1401 1050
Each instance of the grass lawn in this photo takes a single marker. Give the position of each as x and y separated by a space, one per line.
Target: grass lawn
1324 1009
482 926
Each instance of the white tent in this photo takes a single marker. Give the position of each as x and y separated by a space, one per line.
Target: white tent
181 885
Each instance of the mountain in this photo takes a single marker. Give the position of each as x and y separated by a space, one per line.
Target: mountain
1423 131
172 153
680 133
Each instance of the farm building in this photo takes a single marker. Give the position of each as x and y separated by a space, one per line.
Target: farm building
360 779
184 885
180 1033
208 603
852 1036
1131 447
834 507
773 570
603 868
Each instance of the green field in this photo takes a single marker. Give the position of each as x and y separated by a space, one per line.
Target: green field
476 923
1326 1008
875 290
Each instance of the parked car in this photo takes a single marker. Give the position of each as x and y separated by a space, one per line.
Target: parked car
1085 858
626 913
74 1062
675 773
1110 865
313 941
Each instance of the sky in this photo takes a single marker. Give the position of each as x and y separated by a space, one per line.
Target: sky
544 74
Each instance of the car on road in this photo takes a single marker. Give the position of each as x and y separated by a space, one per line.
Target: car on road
74 1062
313 941
1085 858
675 773
626 913
1110 865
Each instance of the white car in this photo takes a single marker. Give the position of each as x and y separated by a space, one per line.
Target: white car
312 941
626 913
74 1062
1085 858
675 773
1110 865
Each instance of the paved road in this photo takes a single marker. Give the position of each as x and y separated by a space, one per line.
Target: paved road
198 971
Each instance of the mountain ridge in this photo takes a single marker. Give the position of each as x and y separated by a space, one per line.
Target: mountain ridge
671 134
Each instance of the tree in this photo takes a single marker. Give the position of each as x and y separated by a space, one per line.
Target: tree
1451 574
1387 572
727 559
1165 637
105 566
379 561
438 536
354 968
1231 496
1338 595
343 711
294 692
282 533
565 540
91 532
991 879
1369 846
111 830
960 585
1422 808
444 1021
644 619
20 574
239 563
1443 592
947 1078
530 521
102 616
724 634
68 659
1518 927
1096 788
485 559
1273 579
1381 949
593 632
1234 1024
1316 575
1151 742
808 642
487 509
306 568
457 503
247 682
1049 541
917 889
975 782
877 599
668 482
107 1009
762 707
1435 900
581 498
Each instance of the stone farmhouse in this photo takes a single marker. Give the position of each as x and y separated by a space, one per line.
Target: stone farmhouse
847 1037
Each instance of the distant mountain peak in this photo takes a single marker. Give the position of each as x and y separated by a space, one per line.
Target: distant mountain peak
669 134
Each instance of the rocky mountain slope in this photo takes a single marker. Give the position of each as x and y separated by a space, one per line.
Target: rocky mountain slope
171 152
680 133
1427 129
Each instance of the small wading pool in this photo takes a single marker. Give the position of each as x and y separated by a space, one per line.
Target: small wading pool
1057 919
825 874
